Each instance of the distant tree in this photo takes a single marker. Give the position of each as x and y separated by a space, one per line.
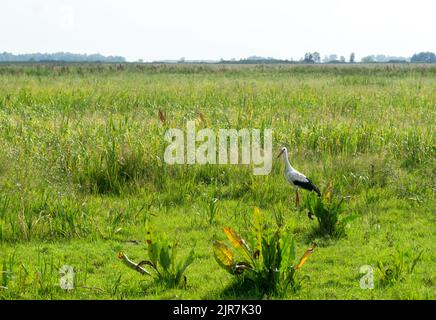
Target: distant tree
342 59
352 57
368 59
333 57
308 58
424 57
312 57
383 59
325 59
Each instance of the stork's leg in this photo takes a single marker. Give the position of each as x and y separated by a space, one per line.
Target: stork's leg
297 198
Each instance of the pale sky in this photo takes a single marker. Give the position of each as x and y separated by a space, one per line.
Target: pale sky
212 29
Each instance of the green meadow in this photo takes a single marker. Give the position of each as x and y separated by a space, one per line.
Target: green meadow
82 176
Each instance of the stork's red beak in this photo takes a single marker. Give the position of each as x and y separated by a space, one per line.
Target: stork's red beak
281 152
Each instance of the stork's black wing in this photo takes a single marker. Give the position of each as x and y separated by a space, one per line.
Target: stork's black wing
307 185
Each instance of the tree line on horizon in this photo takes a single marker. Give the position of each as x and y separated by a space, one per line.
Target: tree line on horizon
315 57
309 57
60 57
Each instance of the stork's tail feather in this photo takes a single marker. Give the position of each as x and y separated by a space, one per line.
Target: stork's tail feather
314 188
307 185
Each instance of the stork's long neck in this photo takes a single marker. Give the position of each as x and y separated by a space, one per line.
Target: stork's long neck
288 165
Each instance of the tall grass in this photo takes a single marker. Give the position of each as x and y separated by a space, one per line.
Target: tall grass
77 140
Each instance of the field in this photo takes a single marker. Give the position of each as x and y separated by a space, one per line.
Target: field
82 175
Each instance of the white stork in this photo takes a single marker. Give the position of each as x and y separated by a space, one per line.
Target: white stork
296 178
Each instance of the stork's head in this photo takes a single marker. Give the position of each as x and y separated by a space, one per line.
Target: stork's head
282 151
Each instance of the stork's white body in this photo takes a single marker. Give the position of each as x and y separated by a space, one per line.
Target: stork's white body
291 174
296 178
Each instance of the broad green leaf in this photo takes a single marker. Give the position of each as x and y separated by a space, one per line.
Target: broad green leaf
153 251
287 248
265 252
164 257
239 243
223 256
181 268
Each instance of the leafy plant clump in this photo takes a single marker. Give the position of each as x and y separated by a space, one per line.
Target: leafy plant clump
162 263
211 210
395 268
329 213
270 266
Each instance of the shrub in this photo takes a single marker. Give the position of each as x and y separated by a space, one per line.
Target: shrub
271 266
162 263
329 213
394 268
211 210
